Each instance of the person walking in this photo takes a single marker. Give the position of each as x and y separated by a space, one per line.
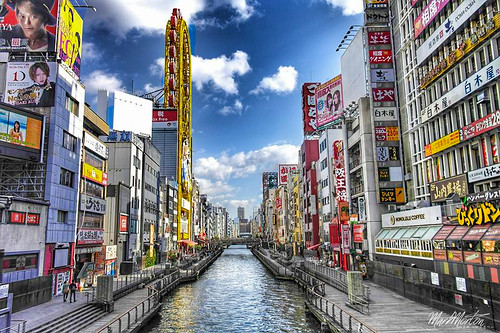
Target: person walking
65 291
72 289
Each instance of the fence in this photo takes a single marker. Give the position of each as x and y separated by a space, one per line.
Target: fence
336 314
122 285
17 326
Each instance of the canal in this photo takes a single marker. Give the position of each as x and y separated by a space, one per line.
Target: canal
236 294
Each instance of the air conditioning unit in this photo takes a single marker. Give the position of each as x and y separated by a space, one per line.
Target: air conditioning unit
482 97
493 185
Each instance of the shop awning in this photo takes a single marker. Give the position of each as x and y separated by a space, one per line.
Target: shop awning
493 233
391 233
409 233
430 233
476 232
443 232
458 233
88 266
381 234
187 242
399 234
312 247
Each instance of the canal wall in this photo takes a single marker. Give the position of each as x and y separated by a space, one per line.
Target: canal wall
279 271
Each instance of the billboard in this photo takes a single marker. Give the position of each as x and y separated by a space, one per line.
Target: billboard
380 56
309 107
70 37
269 180
284 170
29 83
383 94
428 14
164 118
37 35
329 101
379 37
21 133
443 143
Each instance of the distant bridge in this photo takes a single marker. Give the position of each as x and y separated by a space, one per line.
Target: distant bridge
240 241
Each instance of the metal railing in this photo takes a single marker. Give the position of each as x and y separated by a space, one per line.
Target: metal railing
17 326
124 283
277 269
334 277
128 319
336 314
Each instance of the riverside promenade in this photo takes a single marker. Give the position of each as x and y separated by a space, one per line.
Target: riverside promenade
388 311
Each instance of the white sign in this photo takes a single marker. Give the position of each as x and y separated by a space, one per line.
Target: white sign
111 252
484 173
435 278
486 74
95 145
382 75
387 113
361 208
185 204
91 204
413 217
283 171
4 291
461 286
445 30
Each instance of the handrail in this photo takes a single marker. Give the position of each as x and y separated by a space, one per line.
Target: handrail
20 327
339 316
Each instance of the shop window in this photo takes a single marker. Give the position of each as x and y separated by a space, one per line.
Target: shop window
93 160
62 216
72 105
90 220
69 141
66 177
20 262
61 257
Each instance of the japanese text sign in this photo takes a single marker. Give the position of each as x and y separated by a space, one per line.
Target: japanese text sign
383 94
443 143
380 56
441 189
427 15
485 212
309 107
284 170
480 126
484 173
379 38
340 172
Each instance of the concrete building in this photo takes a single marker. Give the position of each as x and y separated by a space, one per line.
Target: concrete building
309 154
170 215
241 212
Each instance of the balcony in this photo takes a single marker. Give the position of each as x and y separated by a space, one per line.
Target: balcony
357 188
355 162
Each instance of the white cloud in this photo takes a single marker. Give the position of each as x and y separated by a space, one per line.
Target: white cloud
215 189
237 109
349 7
282 82
154 16
101 80
220 71
148 87
90 52
158 67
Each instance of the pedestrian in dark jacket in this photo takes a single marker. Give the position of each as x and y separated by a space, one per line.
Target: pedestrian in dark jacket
72 289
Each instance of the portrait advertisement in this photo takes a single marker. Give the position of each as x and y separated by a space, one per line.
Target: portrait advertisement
29 84
70 36
329 101
28 25
20 129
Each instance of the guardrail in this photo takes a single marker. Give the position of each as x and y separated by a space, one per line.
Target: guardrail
336 278
125 283
128 319
336 314
17 326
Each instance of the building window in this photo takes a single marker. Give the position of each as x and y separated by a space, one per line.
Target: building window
66 177
69 141
72 105
62 216
324 164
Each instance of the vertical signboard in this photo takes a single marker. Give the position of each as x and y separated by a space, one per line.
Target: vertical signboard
70 37
164 118
284 170
309 107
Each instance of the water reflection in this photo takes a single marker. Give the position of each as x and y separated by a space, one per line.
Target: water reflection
236 294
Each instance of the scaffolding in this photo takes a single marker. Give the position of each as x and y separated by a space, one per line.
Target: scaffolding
22 179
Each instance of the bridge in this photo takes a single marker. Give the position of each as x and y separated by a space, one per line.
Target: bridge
239 241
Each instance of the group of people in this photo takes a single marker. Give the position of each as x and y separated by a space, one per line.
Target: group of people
69 289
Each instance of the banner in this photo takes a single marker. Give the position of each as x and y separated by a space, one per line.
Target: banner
428 14
443 143
39 36
379 37
94 174
480 126
309 107
346 238
30 83
164 118
70 37
329 101
340 172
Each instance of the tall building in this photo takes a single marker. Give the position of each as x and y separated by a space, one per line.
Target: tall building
309 154
241 213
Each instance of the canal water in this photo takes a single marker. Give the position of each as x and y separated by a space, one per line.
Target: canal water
236 294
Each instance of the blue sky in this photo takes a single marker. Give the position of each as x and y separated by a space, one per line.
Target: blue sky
250 60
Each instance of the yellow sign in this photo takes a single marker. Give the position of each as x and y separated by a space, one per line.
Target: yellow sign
92 173
470 44
70 36
444 143
477 215
392 133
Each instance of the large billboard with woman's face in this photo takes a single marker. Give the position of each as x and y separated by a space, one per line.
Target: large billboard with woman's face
21 133
30 84
329 102
28 25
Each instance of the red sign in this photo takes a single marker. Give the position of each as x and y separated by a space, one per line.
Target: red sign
357 233
309 107
16 217
427 15
380 56
346 238
33 219
480 126
379 38
284 170
340 173
334 234
279 204
123 223
380 133
383 94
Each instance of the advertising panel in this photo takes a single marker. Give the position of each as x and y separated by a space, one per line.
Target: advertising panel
309 107
376 3
17 217
392 195
376 17
15 35
441 189
379 37
382 75
94 174
486 74
415 217
357 233
164 118
269 180
428 14
383 94
380 56
95 145
29 83
21 133
385 154
111 252
91 204
33 219
123 223
483 196
340 172
284 170
70 37
334 234
385 114
459 16
441 144
329 101
346 239
484 173
480 126
90 236
387 133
